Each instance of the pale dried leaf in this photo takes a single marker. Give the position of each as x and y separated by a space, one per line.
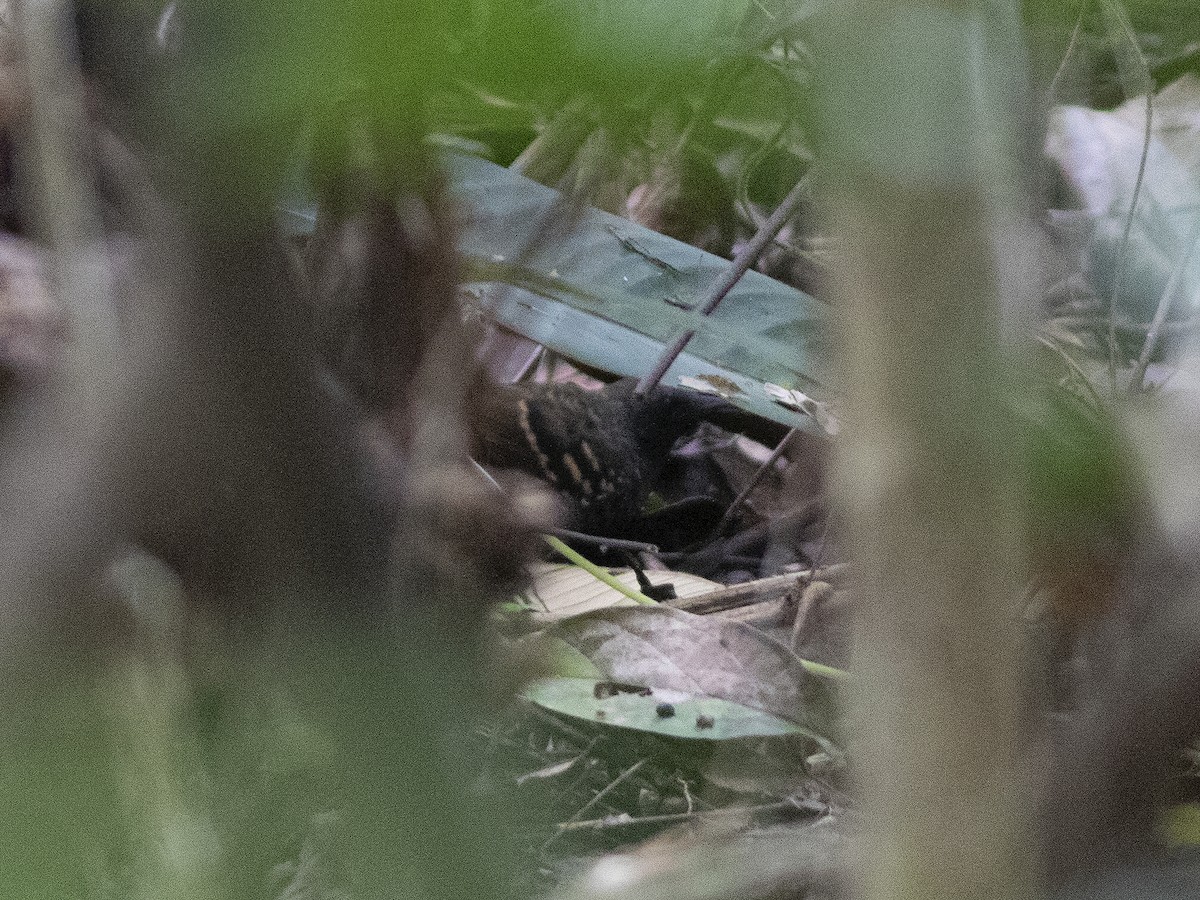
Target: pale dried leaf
560 591
664 648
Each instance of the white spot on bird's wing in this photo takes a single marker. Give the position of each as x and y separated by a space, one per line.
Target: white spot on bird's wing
532 441
573 468
590 455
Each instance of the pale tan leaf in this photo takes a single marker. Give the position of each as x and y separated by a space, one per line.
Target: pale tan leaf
560 591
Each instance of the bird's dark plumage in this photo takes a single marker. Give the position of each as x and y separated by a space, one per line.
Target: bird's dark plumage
602 451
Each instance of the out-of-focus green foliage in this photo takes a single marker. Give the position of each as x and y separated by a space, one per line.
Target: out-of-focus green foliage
283 55
1082 486
611 48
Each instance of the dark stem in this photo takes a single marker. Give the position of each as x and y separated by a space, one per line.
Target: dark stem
741 264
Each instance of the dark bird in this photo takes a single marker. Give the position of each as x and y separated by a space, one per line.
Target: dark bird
603 451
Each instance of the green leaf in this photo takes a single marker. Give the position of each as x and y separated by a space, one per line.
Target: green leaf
610 294
662 711
630 276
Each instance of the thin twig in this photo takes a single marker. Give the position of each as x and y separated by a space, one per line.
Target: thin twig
1164 307
594 540
1073 369
808 597
619 780
602 575
1127 329
754 481
573 556
559 724
750 593
1122 251
1052 91
1135 80
724 284
687 794
812 595
752 813
571 764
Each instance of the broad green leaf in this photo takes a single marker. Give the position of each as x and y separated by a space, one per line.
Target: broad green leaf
611 294
631 276
661 711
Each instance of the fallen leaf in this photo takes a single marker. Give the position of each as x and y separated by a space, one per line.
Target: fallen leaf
701 656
